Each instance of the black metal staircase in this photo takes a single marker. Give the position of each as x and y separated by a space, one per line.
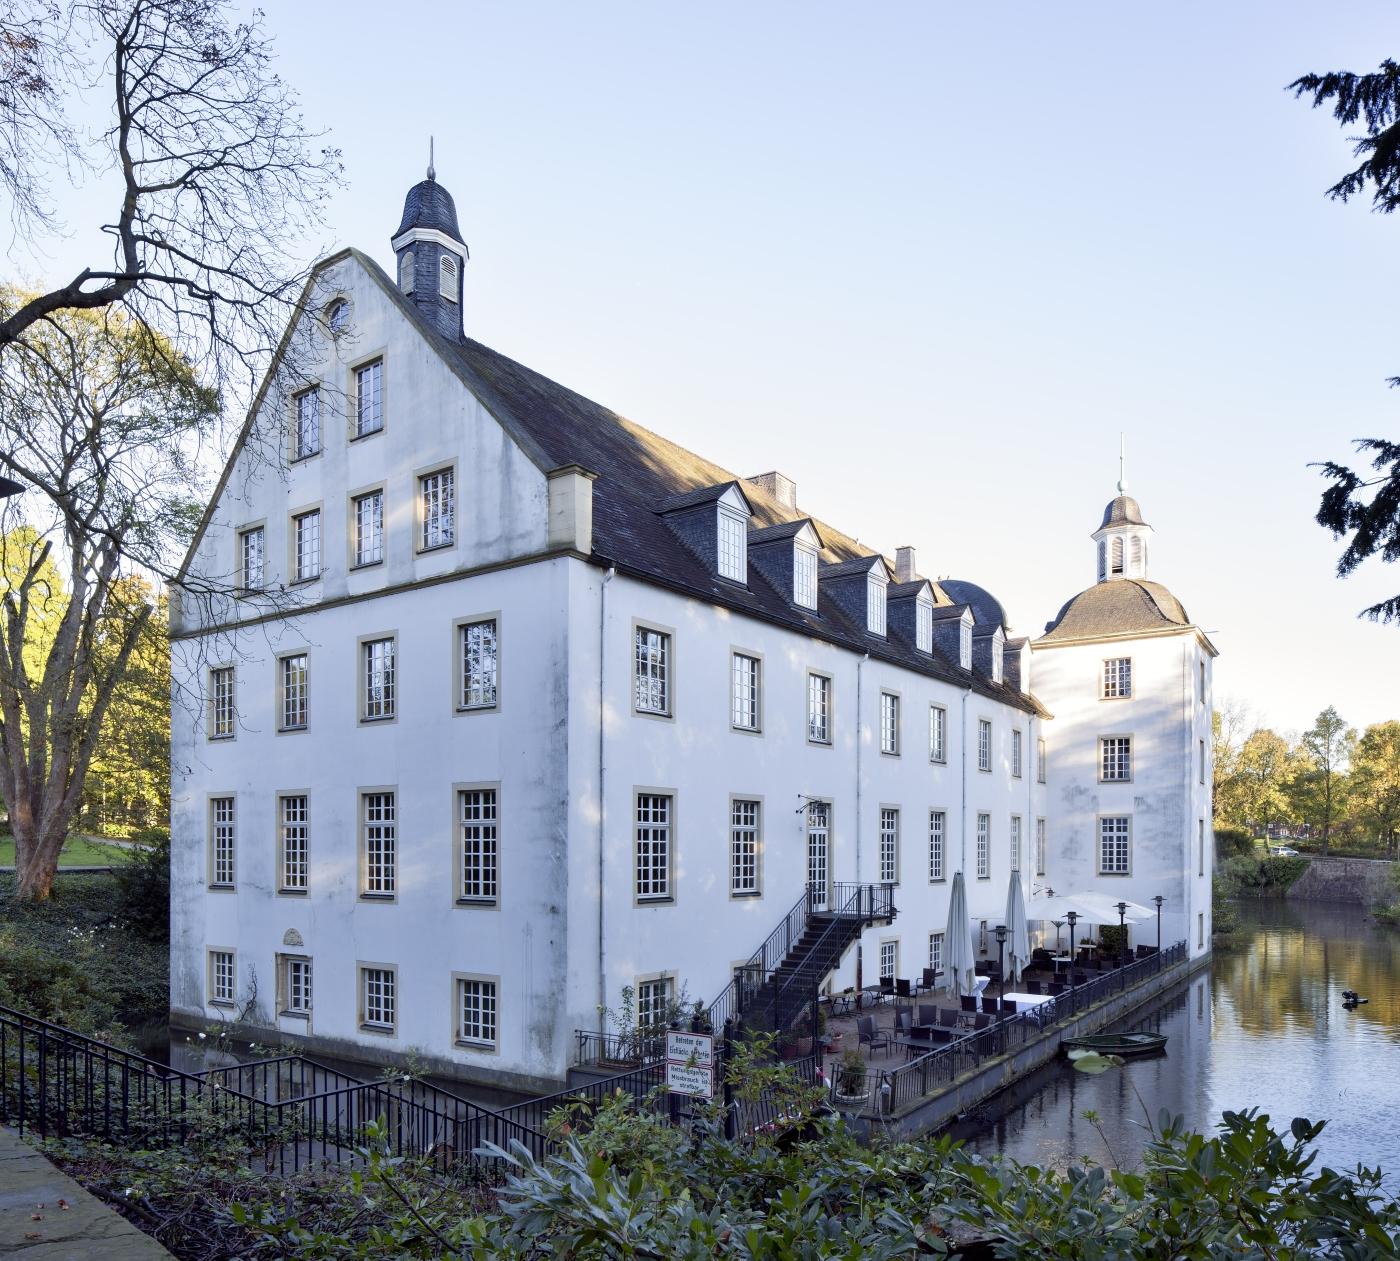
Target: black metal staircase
777 988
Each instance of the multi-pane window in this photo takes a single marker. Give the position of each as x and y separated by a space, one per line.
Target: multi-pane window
293 688
937 733
1040 759
653 846
379 833
1203 761
1117 677
222 842
984 744
965 645
889 723
923 626
998 660
222 713
222 982
296 986
1115 758
437 507
252 558
478 815
1040 847
733 547
476 1011
875 605
743 847
818 849
1015 842
889 845
819 708
1200 847
1201 693
984 846
369 398
744 711
306 425
935 952
479 664
377 664
369 528
1016 753
654 1003
937 844
1115 844
652 679
306 534
804 576
292 837
378 997
889 958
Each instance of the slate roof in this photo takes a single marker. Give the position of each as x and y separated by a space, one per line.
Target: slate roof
986 608
430 205
694 498
1121 511
637 471
858 565
1120 606
783 530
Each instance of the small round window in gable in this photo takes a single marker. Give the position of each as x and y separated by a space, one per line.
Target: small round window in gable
447 278
338 316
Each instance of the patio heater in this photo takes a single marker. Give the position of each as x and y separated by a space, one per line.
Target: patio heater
1159 899
1072 918
1122 909
1058 923
1000 932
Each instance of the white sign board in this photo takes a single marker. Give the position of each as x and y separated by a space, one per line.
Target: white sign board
690 1061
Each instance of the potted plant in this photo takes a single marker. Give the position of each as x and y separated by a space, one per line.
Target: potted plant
852 1085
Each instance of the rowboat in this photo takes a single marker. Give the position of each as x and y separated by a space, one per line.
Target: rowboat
1118 1043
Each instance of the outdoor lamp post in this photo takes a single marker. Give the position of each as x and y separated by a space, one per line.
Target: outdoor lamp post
1072 917
1122 909
1159 899
1058 923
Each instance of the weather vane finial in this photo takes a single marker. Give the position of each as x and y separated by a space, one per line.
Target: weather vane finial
432 174
1122 479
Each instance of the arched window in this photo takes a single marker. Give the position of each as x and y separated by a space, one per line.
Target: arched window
1118 555
447 277
1138 554
1103 560
406 271
338 316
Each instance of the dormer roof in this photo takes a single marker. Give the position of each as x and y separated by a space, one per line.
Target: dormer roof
906 590
803 527
858 565
729 492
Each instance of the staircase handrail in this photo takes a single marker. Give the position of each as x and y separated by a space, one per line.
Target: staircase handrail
764 961
81 1041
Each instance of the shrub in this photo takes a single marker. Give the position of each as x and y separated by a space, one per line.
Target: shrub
1258 877
143 885
1231 842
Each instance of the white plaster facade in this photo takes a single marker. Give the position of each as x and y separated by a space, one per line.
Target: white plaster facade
562 745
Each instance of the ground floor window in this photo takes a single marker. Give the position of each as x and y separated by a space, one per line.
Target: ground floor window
935 952
476 1011
889 958
654 999
294 982
378 998
221 977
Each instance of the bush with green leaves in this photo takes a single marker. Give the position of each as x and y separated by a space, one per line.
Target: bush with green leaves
143 885
1244 876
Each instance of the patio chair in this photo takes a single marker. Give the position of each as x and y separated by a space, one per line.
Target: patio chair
1055 987
901 988
928 1013
983 1020
929 981
903 1024
989 1005
948 1018
868 1035
969 1002
1032 987
1008 1007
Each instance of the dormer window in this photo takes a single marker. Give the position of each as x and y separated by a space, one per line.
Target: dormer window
447 277
875 603
733 545
923 624
406 271
804 575
965 643
998 657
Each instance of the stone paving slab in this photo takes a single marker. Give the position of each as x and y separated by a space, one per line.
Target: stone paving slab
84 1230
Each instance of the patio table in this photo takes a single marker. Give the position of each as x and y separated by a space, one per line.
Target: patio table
1029 1002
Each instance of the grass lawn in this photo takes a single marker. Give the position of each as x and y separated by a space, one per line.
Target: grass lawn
78 851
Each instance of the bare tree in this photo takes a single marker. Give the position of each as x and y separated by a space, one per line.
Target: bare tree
220 179
103 420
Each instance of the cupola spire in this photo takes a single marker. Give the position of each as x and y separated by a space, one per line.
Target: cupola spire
1122 478
1121 539
432 174
431 254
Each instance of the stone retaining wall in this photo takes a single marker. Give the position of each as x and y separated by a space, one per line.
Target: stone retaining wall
1361 881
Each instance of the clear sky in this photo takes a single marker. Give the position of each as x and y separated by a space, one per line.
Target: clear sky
929 260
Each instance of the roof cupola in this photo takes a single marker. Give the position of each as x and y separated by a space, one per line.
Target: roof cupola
431 255
1121 539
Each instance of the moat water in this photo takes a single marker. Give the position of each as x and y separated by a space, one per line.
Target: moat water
1264 1028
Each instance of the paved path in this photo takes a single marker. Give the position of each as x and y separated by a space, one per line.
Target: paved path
85 1230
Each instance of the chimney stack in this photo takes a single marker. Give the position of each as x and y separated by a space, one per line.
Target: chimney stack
904 568
781 487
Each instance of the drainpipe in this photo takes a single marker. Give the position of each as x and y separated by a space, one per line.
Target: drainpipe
602 768
962 826
860 718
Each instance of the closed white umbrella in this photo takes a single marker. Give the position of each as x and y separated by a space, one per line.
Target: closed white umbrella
962 961
1018 938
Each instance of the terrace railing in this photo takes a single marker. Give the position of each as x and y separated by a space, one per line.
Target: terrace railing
750 976
891 1090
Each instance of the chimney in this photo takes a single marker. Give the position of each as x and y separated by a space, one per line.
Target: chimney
780 486
904 568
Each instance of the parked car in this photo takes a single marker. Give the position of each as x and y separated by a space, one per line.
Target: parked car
1283 851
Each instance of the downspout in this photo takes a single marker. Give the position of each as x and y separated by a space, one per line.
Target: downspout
860 741
962 826
602 770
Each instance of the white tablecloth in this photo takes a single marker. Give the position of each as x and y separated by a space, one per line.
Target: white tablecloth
1025 1002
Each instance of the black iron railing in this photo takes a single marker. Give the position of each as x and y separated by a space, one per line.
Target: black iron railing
889 1090
622 1050
751 976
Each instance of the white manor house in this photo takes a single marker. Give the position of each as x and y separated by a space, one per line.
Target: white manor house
509 703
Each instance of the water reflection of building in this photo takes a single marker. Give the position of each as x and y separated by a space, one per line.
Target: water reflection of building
1127 675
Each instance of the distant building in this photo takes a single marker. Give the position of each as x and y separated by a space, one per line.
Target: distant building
519 703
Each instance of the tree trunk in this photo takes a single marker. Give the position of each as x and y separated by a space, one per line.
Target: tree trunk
36 860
